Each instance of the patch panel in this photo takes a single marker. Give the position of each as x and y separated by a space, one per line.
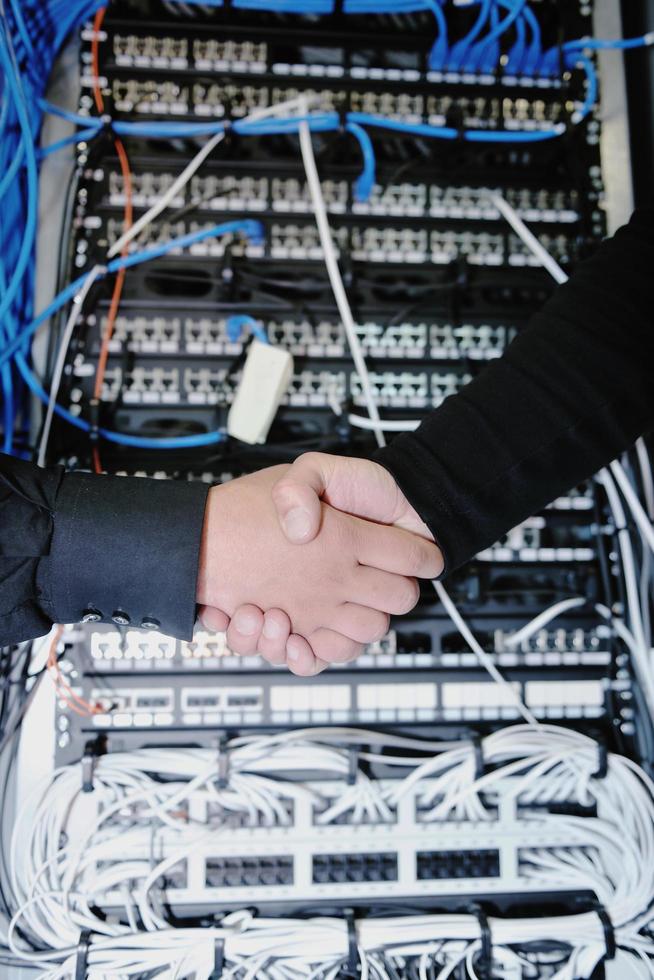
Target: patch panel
288 856
330 388
223 190
417 643
296 238
539 540
169 334
131 693
390 56
151 95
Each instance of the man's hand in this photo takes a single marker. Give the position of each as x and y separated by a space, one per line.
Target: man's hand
336 591
355 486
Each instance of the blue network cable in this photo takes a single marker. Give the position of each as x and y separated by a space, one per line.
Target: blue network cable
236 323
460 49
247 226
253 230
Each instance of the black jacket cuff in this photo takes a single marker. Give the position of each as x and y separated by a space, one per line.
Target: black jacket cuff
126 549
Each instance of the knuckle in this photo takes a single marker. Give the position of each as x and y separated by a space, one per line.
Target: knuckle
408 595
382 628
418 556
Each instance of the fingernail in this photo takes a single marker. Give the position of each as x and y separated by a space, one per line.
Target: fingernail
297 524
271 628
245 623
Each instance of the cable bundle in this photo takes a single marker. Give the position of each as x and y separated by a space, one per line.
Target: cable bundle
31 34
63 854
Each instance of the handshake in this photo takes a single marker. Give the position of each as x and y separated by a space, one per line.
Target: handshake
304 564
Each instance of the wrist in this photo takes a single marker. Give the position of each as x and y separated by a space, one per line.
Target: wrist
205 582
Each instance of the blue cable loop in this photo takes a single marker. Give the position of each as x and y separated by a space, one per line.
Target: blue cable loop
534 53
517 53
366 180
237 321
440 49
459 50
592 86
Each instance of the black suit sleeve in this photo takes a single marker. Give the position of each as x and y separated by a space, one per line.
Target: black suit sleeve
75 545
571 392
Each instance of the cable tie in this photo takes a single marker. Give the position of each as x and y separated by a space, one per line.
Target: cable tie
609 931
218 958
478 750
92 750
343 112
223 762
337 9
82 954
602 760
352 765
486 952
107 123
353 968
454 119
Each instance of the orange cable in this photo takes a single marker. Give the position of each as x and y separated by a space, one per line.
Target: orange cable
62 688
127 223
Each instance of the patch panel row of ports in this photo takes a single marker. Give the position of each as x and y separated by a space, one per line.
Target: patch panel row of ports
458 864
140 646
536 538
161 334
356 699
290 194
157 385
572 646
211 54
298 870
371 244
218 100
558 641
343 868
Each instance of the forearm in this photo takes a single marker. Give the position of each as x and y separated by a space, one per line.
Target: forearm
571 392
75 546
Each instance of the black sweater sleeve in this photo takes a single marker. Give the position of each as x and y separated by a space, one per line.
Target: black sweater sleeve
571 392
75 545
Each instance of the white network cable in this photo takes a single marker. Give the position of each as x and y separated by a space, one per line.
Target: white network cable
71 322
182 180
374 421
527 631
166 198
63 849
383 425
334 273
481 654
530 240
